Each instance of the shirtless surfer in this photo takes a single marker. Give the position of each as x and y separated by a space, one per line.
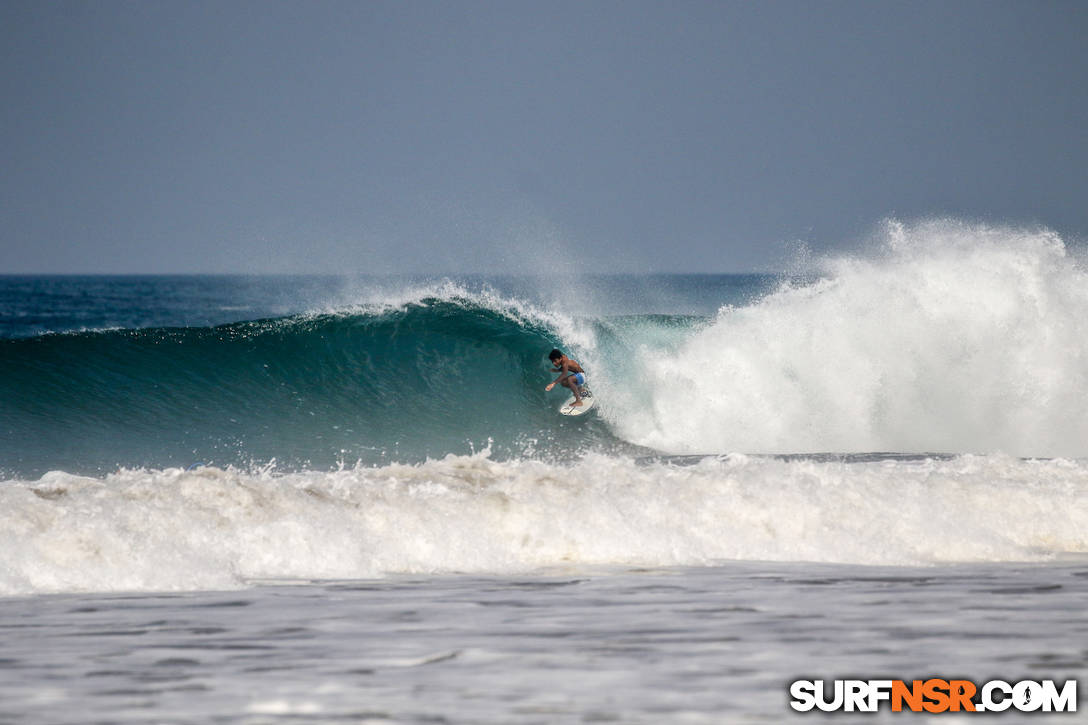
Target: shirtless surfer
571 374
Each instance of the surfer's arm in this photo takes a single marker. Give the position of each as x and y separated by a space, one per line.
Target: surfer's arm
563 373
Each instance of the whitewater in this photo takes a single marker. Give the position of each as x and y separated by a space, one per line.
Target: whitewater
948 339
307 498
216 529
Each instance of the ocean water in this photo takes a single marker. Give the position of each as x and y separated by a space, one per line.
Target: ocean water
350 499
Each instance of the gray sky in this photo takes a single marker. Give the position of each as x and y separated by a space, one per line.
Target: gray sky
518 136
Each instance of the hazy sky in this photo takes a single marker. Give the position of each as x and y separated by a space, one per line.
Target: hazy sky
512 136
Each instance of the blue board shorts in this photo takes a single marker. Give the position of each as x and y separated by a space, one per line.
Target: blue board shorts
579 378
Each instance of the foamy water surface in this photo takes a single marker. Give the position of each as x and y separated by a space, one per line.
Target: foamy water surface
715 644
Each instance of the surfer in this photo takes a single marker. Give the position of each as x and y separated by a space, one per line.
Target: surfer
571 374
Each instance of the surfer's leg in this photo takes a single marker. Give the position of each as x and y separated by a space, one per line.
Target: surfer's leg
571 382
577 380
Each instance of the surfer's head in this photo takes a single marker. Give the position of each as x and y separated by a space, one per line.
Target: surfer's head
555 354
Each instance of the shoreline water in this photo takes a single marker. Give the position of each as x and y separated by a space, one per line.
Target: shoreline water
705 645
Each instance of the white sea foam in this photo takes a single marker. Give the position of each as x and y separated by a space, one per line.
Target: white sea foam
212 528
951 337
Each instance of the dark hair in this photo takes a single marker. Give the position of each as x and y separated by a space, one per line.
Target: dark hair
555 354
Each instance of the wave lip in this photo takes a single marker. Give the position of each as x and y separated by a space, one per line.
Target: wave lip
213 528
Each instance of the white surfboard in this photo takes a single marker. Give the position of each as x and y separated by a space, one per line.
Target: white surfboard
588 401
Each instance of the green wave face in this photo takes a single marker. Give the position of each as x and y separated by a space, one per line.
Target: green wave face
434 377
